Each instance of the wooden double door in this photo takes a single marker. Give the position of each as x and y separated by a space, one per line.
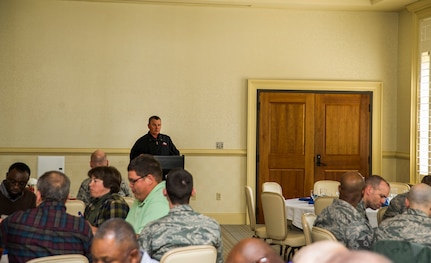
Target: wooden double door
306 137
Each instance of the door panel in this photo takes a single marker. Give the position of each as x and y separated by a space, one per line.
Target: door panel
286 144
342 134
295 127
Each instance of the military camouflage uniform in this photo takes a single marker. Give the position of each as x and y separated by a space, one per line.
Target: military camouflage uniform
84 191
412 226
348 225
396 206
360 207
179 228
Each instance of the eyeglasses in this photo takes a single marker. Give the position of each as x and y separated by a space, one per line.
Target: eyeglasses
133 181
14 182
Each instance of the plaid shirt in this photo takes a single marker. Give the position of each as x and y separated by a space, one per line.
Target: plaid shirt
104 208
44 231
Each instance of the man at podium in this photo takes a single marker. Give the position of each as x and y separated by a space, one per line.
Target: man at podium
154 142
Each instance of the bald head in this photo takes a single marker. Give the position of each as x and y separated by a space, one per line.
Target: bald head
419 197
252 250
98 158
351 185
115 241
321 251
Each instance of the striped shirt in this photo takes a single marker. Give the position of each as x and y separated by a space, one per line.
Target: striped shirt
44 231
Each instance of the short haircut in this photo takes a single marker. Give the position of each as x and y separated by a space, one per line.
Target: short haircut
21 167
426 180
374 181
179 186
154 117
54 186
122 230
144 165
110 176
98 158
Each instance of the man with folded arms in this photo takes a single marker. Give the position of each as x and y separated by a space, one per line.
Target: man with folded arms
342 219
46 230
414 225
182 226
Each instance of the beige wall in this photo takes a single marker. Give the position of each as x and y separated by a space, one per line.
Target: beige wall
405 40
87 75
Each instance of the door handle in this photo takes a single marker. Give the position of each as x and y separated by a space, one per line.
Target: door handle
318 161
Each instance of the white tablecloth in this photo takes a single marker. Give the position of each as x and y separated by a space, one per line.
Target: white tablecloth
295 208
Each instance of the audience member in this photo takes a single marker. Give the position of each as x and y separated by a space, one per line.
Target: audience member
154 142
115 241
98 158
375 193
106 203
253 250
46 230
398 203
415 224
334 252
319 252
182 226
14 195
343 219
358 257
145 179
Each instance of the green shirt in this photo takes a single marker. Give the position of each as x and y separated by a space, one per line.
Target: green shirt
153 207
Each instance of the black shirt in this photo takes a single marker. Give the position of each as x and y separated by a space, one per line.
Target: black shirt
162 145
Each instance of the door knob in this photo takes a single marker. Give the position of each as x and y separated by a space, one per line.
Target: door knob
319 161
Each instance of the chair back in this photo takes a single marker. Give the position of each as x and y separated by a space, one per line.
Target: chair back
321 202
204 254
251 209
398 188
67 258
272 187
326 188
380 214
75 207
129 200
274 213
319 234
307 220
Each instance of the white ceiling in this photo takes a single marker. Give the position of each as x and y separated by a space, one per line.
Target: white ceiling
353 5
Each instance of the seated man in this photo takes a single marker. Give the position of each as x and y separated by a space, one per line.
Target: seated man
14 195
415 224
98 158
145 180
182 226
115 241
398 203
46 230
348 225
374 194
253 250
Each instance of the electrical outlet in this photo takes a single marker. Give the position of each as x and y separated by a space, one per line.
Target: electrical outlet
219 145
218 196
